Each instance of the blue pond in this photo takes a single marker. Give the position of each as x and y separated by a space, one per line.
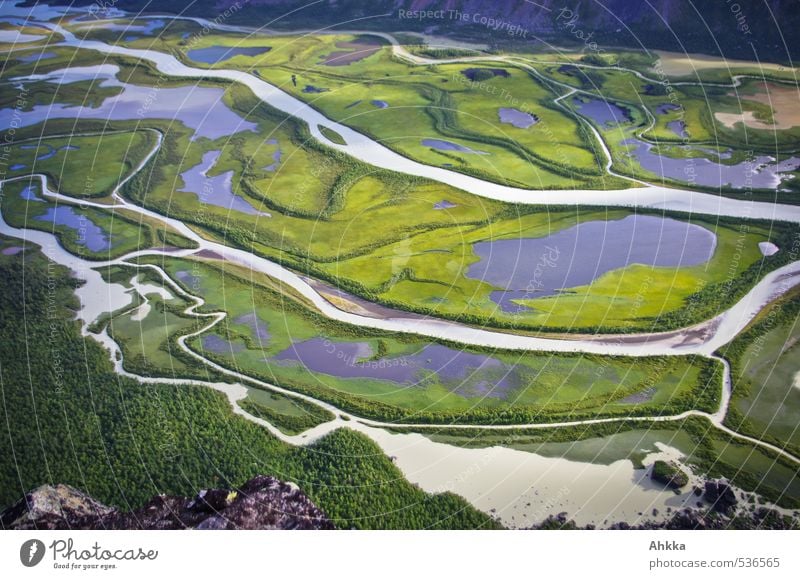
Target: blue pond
50 152
217 345
215 54
470 375
761 173
380 104
444 204
517 118
17 167
600 111
530 268
276 156
256 325
665 108
37 57
215 190
188 279
440 145
29 193
679 128
88 234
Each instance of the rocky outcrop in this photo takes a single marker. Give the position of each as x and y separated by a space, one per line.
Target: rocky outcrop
261 503
721 496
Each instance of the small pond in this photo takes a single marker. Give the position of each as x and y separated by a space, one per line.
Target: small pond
29 193
213 343
517 118
216 190
441 145
602 112
256 325
37 57
88 234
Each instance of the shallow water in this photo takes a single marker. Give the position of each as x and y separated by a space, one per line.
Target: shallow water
276 156
529 268
188 279
216 190
444 204
464 373
602 112
89 235
217 345
679 128
257 326
38 57
380 104
517 118
761 173
665 108
215 54
199 108
51 150
441 145
16 37
29 193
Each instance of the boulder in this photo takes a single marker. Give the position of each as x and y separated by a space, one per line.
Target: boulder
263 502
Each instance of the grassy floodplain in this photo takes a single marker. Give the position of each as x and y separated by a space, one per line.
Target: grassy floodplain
263 326
311 207
115 234
765 369
401 104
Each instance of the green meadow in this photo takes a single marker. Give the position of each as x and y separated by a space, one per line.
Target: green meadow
765 369
378 234
529 386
